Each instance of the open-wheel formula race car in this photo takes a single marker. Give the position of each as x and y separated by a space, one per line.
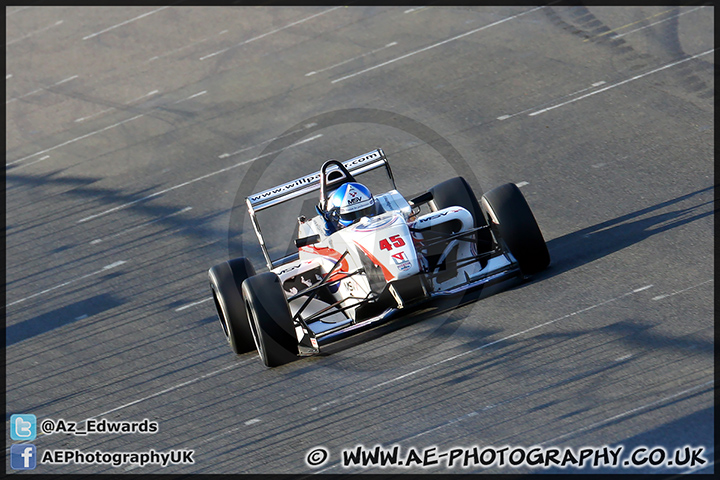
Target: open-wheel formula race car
362 259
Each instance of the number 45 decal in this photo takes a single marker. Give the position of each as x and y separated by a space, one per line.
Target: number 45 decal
396 240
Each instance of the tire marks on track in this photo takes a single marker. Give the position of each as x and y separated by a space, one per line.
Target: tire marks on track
582 22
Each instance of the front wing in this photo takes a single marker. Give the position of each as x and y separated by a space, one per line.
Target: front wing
501 272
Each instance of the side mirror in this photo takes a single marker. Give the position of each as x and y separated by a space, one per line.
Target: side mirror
312 239
420 199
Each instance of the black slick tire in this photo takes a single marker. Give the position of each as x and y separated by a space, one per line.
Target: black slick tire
514 223
226 279
269 314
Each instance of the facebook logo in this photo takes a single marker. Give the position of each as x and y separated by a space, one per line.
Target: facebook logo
23 427
22 456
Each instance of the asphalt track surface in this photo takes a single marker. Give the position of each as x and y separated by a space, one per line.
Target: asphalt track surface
131 130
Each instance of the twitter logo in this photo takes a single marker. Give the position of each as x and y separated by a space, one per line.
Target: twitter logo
23 427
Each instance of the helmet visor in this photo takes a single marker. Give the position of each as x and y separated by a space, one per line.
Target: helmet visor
352 216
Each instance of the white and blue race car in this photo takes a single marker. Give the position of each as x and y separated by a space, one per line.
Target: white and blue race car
362 259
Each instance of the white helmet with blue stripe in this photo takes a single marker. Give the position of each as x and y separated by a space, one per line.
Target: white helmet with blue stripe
350 202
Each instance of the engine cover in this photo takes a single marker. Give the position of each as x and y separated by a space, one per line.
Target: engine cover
386 241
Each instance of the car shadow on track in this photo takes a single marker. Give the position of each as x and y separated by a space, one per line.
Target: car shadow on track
60 317
439 323
138 202
567 252
693 431
589 244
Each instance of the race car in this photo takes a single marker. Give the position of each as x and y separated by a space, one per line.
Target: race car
363 259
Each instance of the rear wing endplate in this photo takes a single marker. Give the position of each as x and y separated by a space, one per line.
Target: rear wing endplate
307 184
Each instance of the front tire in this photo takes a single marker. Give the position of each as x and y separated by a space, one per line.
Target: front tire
456 192
513 222
268 310
225 281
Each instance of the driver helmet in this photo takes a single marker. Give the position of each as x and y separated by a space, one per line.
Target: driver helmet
350 202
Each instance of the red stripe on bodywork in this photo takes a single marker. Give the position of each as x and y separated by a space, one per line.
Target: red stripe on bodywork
388 276
330 253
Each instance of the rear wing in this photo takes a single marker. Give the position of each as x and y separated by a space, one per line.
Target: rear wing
303 185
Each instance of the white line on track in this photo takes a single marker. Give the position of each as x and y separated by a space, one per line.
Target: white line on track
82 119
327 468
252 421
446 424
161 192
457 37
522 184
391 44
76 139
193 304
661 21
8 14
149 94
42 159
104 269
660 297
305 127
156 57
23 96
123 232
228 432
481 347
8 76
630 412
669 65
191 97
59 22
270 32
41 89
63 81
596 84
92 35
170 389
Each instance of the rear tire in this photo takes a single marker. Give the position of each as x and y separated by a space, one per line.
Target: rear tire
512 221
225 281
456 192
268 310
